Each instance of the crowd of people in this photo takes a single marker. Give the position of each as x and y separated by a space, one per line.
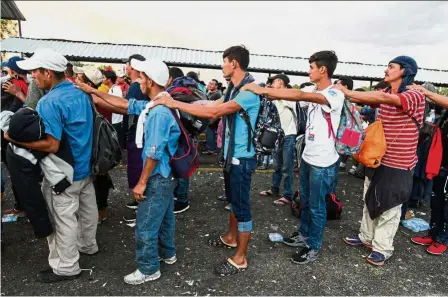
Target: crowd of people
139 106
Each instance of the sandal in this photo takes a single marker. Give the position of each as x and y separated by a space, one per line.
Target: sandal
282 202
219 242
229 267
267 193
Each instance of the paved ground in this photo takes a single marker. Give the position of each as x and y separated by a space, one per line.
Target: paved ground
342 270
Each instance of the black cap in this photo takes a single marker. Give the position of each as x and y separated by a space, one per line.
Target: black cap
281 76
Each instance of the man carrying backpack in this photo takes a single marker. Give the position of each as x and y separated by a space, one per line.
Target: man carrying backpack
401 113
155 223
319 166
239 153
284 159
65 111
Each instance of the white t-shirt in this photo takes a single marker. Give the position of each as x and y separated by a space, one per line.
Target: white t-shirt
116 91
319 143
287 120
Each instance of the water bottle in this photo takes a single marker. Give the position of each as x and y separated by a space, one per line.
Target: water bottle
431 117
275 237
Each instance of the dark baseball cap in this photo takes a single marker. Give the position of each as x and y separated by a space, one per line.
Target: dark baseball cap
12 64
281 76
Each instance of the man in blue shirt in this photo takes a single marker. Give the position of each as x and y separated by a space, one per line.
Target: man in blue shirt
239 154
158 130
65 112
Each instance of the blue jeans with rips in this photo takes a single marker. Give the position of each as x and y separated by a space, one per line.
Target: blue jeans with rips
181 190
155 225
283 164
315 183
237 184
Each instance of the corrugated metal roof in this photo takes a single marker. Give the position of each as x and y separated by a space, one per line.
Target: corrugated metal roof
117 53
10 11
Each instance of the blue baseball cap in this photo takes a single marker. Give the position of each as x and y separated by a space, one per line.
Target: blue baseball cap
12 64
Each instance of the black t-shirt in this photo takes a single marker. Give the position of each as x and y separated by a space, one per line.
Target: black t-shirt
444 130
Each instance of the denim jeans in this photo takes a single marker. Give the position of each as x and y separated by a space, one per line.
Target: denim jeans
181 190
237 184
155 225
439 208
283 164
315 183
210 139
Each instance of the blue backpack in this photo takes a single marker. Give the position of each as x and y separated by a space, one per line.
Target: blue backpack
350 133
186 159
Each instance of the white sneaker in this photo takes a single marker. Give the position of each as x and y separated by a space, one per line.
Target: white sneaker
137 278
169 261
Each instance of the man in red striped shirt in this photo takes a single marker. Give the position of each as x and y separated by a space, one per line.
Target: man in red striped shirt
401 112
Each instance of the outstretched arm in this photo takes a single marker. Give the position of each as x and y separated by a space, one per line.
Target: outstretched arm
286 94
112 100
370 98
436 98
49 144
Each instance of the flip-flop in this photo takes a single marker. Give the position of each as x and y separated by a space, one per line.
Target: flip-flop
282 202
219 242
267 193
229 267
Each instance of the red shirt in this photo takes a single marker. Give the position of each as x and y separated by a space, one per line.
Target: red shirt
22 84
401 131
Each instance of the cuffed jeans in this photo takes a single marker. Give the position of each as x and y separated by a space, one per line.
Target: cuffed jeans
181 190
315 183
283 164
237 184
155 225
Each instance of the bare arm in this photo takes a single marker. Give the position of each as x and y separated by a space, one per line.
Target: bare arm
373 98
139 190
216 103
103 104
49 144
286 94
115 101
438 99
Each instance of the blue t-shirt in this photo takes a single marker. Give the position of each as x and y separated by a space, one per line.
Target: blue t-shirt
161 134
67 109
249 102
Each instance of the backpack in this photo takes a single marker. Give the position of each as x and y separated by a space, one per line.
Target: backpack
350 133
334 206
186 159
106 150
186 89
373 147
268 134
301 119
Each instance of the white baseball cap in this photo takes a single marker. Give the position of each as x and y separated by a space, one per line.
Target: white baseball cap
46 58
154 69
92 73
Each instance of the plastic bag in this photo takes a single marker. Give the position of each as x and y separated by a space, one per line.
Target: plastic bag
416 224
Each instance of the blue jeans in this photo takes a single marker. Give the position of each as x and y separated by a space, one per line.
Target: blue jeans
283 164
155 225
181 190
237 184
210 139
3 181
315 183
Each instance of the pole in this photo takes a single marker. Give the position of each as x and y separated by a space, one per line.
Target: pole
20 34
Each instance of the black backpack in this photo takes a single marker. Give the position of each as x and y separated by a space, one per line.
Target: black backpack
334 206
106 150
301 119
268 134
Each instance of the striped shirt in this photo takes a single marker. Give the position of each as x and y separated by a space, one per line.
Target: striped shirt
401 131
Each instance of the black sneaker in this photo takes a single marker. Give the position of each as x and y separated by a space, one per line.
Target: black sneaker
306 255
132 205
130 218
295 240
48 276
180 207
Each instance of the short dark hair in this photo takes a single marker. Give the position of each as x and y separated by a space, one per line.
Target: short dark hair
238 53
193 75
110 75
216 81
327 59
176 72
135 56
306 84
70 69
346 82
380 85
360 90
